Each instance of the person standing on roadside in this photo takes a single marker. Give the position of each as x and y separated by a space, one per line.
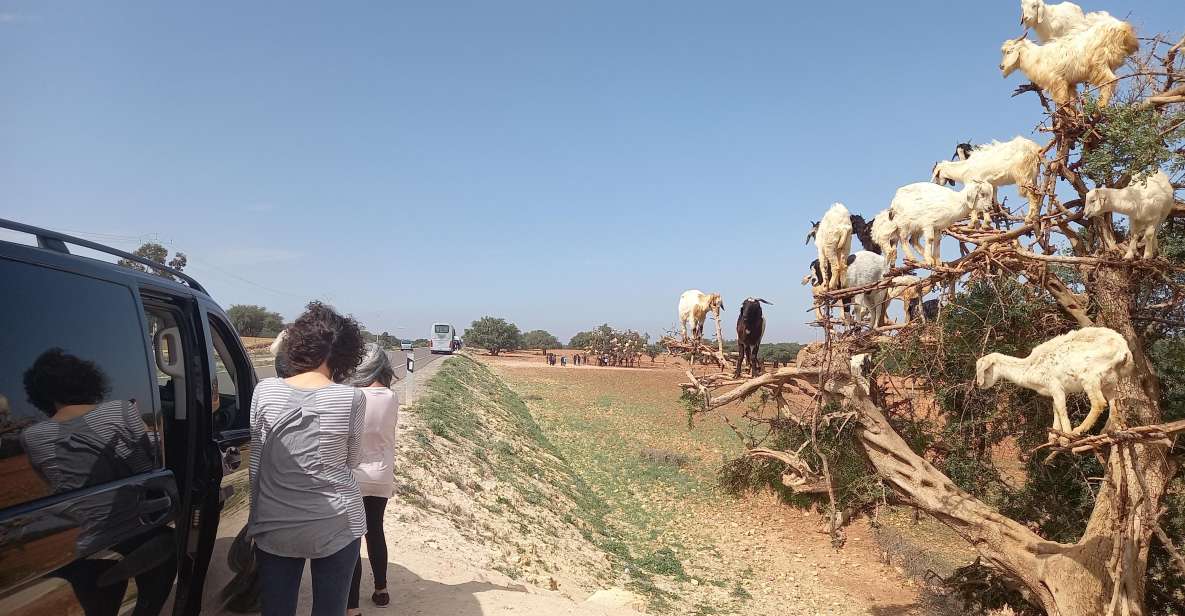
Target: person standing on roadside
305 441
375 471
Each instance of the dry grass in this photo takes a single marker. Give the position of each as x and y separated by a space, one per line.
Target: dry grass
746 556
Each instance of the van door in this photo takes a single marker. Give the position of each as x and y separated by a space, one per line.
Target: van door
87 504
233 383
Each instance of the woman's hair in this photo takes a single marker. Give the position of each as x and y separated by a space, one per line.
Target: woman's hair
376 366
56 377
322 335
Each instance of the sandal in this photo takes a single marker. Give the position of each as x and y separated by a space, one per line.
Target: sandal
381 598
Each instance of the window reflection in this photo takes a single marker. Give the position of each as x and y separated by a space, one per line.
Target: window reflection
86 441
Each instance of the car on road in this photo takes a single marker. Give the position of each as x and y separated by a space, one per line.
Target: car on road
124 397
405 346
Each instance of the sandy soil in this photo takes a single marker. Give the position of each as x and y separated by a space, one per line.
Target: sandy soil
784 553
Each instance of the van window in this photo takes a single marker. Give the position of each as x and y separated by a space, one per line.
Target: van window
75 384
229 412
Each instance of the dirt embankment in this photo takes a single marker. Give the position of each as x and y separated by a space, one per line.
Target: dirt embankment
484 498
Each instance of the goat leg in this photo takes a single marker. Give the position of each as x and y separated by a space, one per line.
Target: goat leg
1098 403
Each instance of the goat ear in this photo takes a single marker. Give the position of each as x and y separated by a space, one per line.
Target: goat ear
765 302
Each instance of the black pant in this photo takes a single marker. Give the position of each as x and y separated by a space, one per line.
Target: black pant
279 578
152 586
376 547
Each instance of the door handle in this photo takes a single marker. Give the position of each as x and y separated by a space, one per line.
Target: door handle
155 511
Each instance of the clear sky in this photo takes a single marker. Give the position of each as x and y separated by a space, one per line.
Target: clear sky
559 164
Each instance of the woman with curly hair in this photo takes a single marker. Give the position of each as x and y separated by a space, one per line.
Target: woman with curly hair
305 440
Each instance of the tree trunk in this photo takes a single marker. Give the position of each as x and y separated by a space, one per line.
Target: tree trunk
1103 572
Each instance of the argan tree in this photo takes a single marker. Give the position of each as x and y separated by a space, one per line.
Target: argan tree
252 320
1064 543
541 340
494 335
158 253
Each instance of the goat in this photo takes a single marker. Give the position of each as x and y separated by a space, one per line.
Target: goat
750 329
694 306
884 234
833 238
863 231
927 310
924 208
861 368
1083 56
1147 202
999 164
907 289
865 267
1050 21
1086 360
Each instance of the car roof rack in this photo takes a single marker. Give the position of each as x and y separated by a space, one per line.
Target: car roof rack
57 242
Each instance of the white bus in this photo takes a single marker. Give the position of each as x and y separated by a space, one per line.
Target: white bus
441 340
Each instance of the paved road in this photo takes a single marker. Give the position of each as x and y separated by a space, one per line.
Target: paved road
398 360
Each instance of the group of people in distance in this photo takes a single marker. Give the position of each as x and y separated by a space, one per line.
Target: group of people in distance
322 465
562 360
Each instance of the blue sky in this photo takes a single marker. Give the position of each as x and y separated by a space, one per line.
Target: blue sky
559 164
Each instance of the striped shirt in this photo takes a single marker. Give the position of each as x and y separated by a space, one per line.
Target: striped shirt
116 446
305 501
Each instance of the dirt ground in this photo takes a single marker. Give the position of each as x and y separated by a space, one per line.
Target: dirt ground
780 558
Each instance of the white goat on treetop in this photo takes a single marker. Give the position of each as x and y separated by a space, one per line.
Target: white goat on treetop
999 164
927 209
694 306
1050 21
833 238
1083 56
1146 201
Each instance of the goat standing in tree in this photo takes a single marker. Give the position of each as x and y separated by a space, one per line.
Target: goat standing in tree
750 329
694 306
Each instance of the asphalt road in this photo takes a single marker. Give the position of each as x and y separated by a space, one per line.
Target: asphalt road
422 356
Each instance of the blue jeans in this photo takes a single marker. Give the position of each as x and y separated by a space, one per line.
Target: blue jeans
279 581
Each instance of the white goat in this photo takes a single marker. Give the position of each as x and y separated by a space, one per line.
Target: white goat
1083 56
694 306
925 208
863 268
884 233
1050 21
833 238
999 164
1087 360
1147 202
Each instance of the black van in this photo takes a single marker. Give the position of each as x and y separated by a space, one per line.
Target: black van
124 396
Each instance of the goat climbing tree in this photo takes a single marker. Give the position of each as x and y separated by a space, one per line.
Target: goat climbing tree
1072 271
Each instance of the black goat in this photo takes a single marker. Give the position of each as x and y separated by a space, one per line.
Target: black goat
963 151
750 329
926 310
815 279
863 231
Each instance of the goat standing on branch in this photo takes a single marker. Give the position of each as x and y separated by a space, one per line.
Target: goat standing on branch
694 306
833 238
750 329
1050 21
1085 56
999 164
1088 360
1146 201
926 209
